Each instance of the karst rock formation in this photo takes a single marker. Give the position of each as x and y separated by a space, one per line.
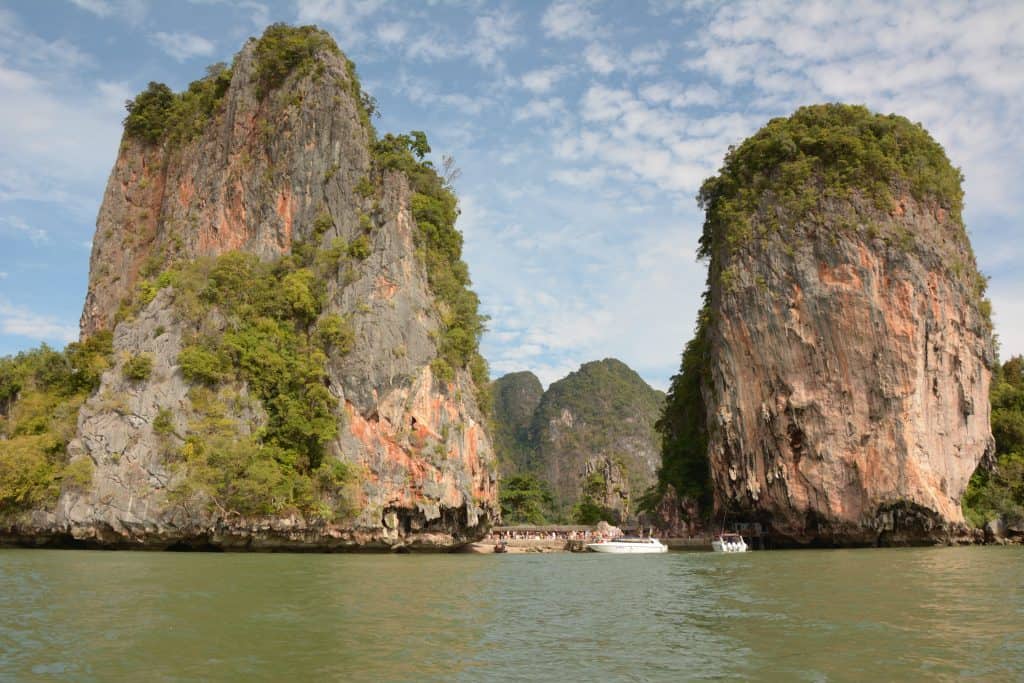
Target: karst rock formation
848 345
838 382
277 156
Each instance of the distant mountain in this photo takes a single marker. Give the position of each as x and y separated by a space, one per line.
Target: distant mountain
590 436
516 397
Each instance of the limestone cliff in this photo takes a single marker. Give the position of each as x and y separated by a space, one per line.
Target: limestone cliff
590 437
846 340
377 438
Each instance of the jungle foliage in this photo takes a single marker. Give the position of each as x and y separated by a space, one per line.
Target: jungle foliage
589 508
283 49
40 394
684 439
999 491
525 499
275 340
516 397
158 114
263 413
820 152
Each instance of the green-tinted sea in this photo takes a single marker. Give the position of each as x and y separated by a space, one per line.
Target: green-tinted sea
842 615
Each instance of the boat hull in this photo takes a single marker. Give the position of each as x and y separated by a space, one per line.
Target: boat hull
627 548
720 547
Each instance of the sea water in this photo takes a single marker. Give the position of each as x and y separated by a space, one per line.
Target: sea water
815 615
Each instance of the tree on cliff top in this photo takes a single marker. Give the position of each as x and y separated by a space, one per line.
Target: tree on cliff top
822 151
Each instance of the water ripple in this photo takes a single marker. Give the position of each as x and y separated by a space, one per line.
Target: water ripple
935 614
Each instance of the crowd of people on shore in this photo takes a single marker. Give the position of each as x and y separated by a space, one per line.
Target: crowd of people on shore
545 535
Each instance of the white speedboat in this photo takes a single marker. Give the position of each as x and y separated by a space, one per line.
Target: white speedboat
629 546
729 543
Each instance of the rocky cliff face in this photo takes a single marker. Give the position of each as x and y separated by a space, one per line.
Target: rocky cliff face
848 351
591 436
281 159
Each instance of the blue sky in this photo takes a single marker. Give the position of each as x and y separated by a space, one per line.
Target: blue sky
583 131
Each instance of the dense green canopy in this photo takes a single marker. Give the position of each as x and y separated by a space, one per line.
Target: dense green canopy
999 491
820 152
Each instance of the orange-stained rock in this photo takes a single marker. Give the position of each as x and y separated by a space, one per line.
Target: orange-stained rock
849 376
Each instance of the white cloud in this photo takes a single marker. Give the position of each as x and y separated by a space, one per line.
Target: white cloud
541 109
18 226
493 34
542 80
678 96
1008 315
131 11
568 19
22 322
98 7
258 13
425 93
183 46
433 48
57 139
582 178
649 54
600 59
642 60
346 15
645 141
392 33
23 50
954 68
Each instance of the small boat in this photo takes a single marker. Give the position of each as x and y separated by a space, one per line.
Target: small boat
729 543
500 547
628 546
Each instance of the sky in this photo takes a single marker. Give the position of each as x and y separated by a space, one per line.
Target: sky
583 131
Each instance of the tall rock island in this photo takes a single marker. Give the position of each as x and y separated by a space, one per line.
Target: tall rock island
839 379
279 342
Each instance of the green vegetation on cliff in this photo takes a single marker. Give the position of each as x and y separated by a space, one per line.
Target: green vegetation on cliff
684 440
274 338
160 115
516 397
40 394
283 49
589 508
999 491
606 396
822 152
